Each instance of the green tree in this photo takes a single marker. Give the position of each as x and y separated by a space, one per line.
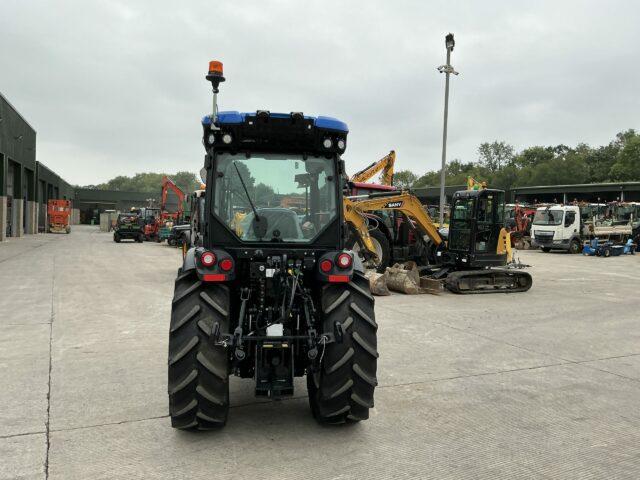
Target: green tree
404 178
495 155
186 181
627 166
264 195
150 182
533 156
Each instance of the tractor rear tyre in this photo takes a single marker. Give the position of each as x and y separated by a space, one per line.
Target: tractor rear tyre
198 369
545 249
140 238
342 383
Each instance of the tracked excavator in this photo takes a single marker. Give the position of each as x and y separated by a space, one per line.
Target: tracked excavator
469 257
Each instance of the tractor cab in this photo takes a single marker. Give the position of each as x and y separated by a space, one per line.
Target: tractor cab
476 228
276 180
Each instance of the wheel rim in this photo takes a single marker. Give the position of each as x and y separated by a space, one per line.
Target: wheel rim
370 263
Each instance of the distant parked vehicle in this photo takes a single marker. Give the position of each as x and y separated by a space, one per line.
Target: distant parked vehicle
129 226
568 227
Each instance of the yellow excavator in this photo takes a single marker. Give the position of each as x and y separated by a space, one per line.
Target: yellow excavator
473 184
384 165
469 257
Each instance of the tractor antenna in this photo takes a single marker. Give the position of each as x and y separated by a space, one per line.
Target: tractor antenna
216 78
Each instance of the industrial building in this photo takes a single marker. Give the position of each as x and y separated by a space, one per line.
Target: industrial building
25 184
91 203
588 192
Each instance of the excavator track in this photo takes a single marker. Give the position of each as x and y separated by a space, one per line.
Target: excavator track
493 280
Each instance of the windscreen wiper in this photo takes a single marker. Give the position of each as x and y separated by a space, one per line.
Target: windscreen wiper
260 226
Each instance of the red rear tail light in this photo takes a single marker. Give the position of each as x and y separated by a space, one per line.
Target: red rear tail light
344 260
207 259
214 277
326 265
226 265
339 279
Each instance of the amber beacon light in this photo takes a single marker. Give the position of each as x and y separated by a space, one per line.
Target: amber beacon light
216 78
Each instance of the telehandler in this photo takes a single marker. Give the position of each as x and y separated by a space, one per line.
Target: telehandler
280 297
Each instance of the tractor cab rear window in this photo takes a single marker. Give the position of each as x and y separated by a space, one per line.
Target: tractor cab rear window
275 197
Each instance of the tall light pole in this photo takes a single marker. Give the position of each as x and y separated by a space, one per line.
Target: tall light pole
447 70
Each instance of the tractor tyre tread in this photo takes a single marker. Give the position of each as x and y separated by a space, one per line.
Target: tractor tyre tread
341 386
198 383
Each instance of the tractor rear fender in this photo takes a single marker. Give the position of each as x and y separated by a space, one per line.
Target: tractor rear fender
211 273
358 266
189 261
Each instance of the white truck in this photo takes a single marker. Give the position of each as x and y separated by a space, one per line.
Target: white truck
567 227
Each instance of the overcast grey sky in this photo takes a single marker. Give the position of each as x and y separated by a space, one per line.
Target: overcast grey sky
117 87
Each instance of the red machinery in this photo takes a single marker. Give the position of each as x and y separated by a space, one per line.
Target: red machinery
519 218
167 184
167 218
59 216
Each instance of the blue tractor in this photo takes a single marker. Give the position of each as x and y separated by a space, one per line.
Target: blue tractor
271 293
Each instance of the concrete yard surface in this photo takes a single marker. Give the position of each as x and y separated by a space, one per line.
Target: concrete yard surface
539 385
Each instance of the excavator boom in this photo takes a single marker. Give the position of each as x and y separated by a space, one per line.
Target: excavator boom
403 201
167 184
385 165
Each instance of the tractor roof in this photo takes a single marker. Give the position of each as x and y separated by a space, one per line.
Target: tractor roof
234 118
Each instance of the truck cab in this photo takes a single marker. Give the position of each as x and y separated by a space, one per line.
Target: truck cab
557 227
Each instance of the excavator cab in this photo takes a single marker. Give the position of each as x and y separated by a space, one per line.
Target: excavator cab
475 229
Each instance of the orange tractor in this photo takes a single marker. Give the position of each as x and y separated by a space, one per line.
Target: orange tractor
59 215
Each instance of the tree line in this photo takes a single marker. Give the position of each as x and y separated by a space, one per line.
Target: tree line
502 167
498 164
149 182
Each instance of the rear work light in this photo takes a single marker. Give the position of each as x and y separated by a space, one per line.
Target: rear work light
207 259
226 265
326 265
344 260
